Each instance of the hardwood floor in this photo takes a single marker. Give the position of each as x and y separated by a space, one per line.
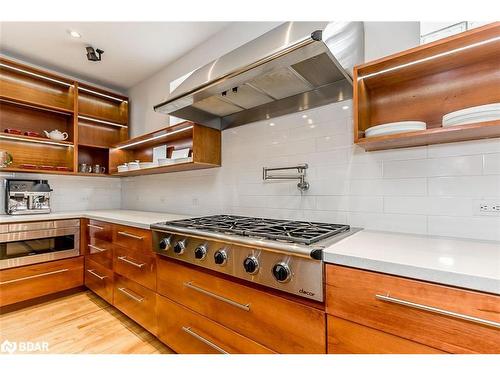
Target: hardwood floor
79 323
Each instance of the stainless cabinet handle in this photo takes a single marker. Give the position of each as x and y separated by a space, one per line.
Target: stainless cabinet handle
131 235
33 276
204 340
138 265
96 275
130 295
96 248
216 296
452 314
95 226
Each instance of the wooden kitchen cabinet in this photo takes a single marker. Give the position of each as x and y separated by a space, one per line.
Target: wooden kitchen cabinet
133 238
277 323
35 280
360 297
345 337
99 279
136 265
136 301
187 332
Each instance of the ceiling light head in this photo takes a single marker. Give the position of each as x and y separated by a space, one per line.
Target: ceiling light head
345 107
94 55
75 34
272 124
304 116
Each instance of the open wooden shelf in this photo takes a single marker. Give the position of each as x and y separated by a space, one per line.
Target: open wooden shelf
205 145
39 171
424 84
102 105
26 138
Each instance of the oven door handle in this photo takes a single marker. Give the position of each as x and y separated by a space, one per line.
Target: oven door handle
245 307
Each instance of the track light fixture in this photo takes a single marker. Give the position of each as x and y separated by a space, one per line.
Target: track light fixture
94 55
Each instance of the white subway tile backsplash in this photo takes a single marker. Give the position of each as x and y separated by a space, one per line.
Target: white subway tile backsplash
492 164
487 228
429 206
389 187
450 166
483 146
469 186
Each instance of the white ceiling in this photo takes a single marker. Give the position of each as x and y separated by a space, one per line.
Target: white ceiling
132 50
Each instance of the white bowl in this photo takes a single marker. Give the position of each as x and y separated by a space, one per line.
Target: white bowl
183 160
395 128
472 118
123 168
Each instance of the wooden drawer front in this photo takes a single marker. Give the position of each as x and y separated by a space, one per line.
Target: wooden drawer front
137 302
345 337
100 230
187 332
352 294
100 252
99 279
133 238
136 266
277 323
24 283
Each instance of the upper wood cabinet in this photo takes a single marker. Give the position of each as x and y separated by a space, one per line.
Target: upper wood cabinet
33 100
425 83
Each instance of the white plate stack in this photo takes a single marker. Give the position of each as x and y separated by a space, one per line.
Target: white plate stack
395 128
480 113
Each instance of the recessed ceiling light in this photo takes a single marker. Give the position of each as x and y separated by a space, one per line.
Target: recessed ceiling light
272 124
345 107
304 116
310 121
75 34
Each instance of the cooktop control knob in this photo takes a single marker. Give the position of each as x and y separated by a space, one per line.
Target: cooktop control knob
200 252
180 246
164 243
281 272
220 257
251 265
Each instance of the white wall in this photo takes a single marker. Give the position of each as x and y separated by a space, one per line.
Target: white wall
74 193
385 38
428 190
155 89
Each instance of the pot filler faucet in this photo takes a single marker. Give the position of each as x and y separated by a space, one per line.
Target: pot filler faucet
303 185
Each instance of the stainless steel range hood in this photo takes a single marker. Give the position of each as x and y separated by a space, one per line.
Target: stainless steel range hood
294 67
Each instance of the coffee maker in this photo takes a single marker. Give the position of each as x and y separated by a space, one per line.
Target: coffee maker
25 197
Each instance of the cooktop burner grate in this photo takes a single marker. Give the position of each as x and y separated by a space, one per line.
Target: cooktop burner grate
303 232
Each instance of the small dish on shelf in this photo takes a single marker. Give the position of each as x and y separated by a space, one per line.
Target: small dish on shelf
13 131
133 165
183 160
47 167
32 134
27 166
123 168
395 128
165 161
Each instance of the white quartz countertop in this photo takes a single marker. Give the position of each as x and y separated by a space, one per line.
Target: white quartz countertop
471 264
139 219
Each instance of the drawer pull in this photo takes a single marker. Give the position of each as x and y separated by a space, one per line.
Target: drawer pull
95 226
216 296
138 265
130 295
204 340
131 235
33 276
96 275
452 314
99 249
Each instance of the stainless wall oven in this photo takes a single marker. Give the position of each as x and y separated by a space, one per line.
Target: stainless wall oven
40 241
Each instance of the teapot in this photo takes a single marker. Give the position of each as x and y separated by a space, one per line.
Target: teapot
56 135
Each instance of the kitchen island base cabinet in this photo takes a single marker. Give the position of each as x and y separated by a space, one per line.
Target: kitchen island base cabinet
36 280
345 337
187 332
450 319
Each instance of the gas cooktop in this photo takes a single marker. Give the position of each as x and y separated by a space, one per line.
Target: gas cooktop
301 232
